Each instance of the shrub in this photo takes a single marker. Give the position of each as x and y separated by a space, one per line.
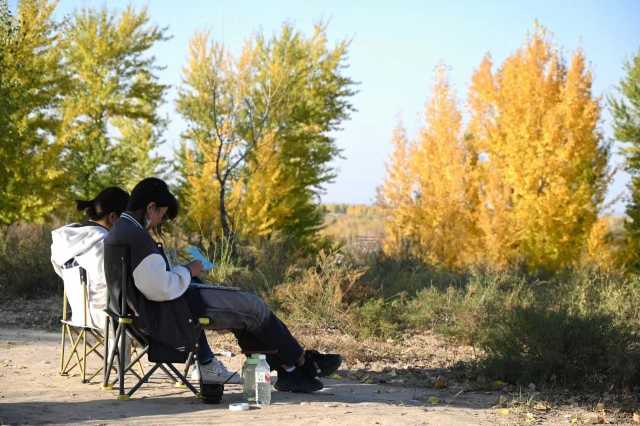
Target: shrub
391 276
378 318
25 265
320 295
576 328
536 344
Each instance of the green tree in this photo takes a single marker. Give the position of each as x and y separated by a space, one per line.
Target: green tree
260 132
626 125
110 121
31 83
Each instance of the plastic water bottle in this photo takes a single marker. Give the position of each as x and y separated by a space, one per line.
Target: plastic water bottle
249 378
263 382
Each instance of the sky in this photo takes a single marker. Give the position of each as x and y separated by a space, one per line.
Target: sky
395 47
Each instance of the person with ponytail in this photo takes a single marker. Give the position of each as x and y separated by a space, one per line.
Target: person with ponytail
81 245
166 300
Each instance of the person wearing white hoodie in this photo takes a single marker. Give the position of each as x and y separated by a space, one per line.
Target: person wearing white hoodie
81 245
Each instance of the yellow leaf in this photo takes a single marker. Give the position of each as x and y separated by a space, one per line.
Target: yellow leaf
503 411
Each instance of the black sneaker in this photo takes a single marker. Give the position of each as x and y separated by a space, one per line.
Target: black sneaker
297 381
321 365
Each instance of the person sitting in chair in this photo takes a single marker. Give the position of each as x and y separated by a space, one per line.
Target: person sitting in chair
161 291
81 245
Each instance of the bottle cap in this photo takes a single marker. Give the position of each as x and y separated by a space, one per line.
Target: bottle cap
262 356
252 361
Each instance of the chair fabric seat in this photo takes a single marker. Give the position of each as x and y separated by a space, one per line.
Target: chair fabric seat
74 324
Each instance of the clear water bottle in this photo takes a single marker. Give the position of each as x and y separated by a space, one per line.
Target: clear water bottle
249 378
263 382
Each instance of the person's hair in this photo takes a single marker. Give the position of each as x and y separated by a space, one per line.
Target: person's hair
153 190
110 200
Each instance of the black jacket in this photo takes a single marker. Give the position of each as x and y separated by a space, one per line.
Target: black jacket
169 322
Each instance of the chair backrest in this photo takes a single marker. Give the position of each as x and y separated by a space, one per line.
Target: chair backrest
122 295
117 269
75 287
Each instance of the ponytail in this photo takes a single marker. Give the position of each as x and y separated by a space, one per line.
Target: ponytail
110 200
89 208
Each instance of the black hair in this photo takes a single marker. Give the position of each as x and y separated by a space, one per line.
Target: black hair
110 200
153 190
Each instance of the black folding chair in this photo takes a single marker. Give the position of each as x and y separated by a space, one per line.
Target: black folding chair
120 288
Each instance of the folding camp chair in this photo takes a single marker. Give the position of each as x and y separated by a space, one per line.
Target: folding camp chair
120 285
79 331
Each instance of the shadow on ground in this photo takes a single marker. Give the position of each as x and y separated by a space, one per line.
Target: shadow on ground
159 400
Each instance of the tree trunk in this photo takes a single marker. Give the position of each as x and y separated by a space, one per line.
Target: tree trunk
224 219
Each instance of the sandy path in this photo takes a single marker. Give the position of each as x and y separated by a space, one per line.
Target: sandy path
31 391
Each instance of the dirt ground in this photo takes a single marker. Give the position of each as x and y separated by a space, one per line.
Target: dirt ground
414 383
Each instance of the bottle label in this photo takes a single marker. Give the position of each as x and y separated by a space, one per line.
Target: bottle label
263 377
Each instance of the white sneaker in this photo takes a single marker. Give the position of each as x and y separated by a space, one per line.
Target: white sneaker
214 372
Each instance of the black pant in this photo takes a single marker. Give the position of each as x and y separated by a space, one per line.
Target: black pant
256 328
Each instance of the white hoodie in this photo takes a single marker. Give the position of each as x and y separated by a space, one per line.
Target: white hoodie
84 244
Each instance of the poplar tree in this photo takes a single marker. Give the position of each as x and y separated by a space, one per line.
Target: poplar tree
259 134
396 196
543 173
110 122
626 125
443 216
31 84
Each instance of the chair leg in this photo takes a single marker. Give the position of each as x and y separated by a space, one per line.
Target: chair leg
112 354
168 373
129 368
135 353
141 381
121 359
63 342
113 351
73 352
187 366
105 375
182 379
91 350
84 358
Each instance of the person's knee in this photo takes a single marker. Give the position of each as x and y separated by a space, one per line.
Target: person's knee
260 310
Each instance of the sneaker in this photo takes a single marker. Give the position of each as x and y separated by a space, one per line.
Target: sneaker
297 381
321 365
214 372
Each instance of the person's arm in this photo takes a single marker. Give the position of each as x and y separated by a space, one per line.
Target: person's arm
158 284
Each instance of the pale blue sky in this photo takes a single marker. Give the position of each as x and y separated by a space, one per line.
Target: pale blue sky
394 50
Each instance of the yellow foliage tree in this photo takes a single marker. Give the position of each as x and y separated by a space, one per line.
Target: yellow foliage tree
441 165
261 210
542 173
396 195
604 245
